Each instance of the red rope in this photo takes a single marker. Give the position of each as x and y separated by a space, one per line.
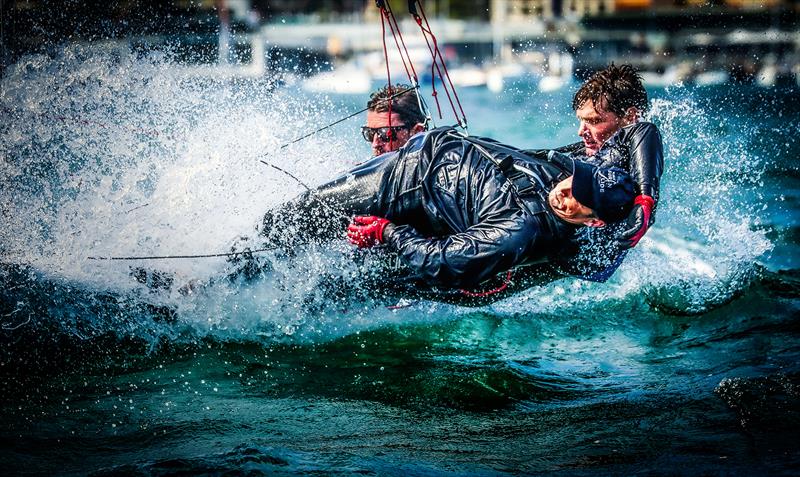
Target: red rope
441 58
434 68
413 79
489 292
384 17
438 64
402 58
435 52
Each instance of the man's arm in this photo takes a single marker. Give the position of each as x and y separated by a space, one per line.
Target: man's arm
465 259
646 157
646 154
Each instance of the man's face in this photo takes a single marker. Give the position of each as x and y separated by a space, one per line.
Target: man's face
382 145
598 124
567 207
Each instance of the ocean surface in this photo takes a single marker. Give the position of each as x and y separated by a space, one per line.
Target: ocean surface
687 362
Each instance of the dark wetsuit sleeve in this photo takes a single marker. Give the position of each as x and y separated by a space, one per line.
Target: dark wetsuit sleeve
324 213
465 259
646 157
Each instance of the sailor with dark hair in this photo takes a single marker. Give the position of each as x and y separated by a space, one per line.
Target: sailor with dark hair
392 120
609 106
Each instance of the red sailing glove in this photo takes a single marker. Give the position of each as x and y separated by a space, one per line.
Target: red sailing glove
366 230
637 222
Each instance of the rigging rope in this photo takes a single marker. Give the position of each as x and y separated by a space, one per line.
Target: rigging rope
384 15
404 55
438 65
438 59
167 257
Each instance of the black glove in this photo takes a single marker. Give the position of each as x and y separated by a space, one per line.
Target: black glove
637 223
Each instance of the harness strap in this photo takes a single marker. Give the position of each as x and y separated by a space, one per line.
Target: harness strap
524 182
564 161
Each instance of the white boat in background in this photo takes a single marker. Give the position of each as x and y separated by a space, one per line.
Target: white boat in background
498 76
375 64
467 76
711 78
674 75
551 83
767 77
559 72
651 78
348 79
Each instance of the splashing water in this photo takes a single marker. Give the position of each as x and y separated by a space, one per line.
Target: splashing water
702 250
109 154
115 155
708 239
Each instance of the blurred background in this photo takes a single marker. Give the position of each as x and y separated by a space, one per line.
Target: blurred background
486 42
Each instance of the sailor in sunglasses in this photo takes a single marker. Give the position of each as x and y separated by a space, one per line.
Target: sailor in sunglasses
406 119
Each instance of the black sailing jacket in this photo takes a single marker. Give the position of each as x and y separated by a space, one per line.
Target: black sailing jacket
461 214
637 148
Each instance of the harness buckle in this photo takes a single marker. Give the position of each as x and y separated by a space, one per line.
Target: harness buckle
506 165
523 184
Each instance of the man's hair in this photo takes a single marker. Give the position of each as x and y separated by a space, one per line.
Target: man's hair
405 105
620 86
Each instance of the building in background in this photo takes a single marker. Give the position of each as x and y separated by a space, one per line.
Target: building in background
670 40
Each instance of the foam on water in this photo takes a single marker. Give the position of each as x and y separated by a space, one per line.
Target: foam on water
110 154
709 238
116 155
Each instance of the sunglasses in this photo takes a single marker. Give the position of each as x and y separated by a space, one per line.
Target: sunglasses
385 134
